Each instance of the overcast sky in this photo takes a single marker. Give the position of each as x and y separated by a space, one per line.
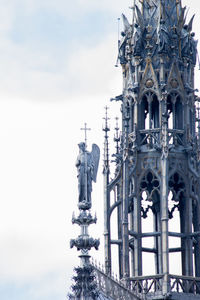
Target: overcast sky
56 73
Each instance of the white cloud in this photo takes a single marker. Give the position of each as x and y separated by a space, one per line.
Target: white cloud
42 74
77 7
37 72
30 74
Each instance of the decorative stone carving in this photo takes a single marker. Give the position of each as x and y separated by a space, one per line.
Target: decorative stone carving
149 83
85 218
176 163
174 83
137 40
84 243
87 166
85 286
150 163
163 37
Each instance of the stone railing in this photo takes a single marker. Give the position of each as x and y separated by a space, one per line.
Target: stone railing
111 287
144 287
153 137
176 137
146 284
152 285
185 284
150 136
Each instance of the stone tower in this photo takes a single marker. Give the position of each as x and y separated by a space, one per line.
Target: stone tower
157 158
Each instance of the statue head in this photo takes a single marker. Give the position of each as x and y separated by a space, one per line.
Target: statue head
81 146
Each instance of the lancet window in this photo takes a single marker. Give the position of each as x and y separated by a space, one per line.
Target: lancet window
150 111
175 111
150 190
177 188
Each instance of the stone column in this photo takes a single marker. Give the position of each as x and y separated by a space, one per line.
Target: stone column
164 198
106 173
125 229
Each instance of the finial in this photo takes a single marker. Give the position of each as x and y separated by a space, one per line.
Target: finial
85 129
106 128
116 136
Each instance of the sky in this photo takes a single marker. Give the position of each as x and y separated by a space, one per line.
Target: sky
57 72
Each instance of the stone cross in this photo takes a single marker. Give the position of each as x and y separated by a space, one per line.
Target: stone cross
85 129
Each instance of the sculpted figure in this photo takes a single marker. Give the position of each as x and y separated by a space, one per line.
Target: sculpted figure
186 39
125 40
185 42
137 40
122 48
163 37
87 166
194 48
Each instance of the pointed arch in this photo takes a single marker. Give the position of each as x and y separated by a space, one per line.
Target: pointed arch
149 111
150 186
175 110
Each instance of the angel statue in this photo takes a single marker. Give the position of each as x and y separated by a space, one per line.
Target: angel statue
87 165
186 39
125 40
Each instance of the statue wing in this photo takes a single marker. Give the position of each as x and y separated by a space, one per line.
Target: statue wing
95 160
126 23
